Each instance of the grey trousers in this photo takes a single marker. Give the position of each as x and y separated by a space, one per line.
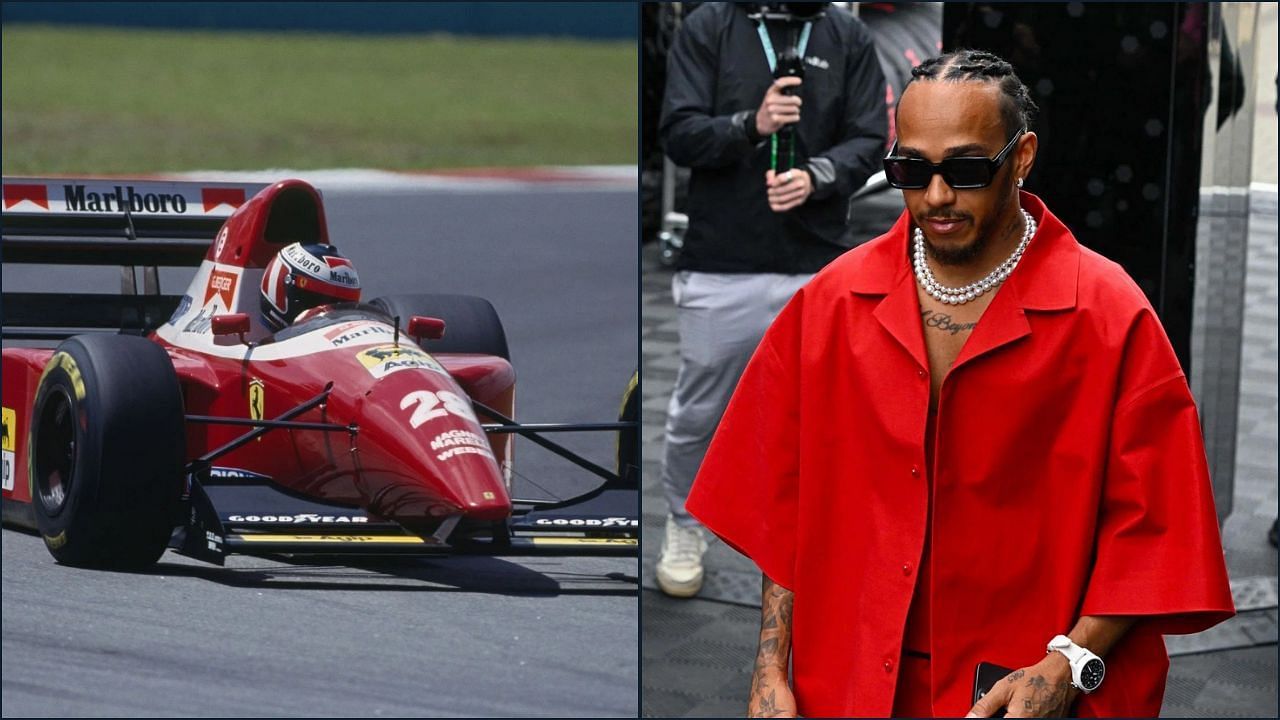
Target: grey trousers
722 317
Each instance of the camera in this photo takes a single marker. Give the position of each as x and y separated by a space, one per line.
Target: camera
787 12
790 63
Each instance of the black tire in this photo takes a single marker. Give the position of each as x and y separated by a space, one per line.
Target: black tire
471 325
105 488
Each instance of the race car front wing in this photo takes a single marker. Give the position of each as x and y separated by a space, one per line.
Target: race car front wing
230 511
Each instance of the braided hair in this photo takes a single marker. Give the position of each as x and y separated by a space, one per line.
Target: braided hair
964 64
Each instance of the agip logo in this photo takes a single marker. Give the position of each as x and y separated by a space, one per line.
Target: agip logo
383 360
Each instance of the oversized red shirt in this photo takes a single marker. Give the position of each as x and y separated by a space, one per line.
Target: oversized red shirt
1069 478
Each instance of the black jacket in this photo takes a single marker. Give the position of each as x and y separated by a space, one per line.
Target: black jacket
717 71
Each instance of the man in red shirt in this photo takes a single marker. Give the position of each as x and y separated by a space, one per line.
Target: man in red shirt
967 441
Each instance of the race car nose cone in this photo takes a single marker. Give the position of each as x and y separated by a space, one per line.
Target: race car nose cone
470 482
492 508
424 454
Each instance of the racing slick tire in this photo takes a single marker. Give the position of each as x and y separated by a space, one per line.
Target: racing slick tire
471 325
108 441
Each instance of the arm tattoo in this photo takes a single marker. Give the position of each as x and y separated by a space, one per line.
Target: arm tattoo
775 624
775 639
1016 675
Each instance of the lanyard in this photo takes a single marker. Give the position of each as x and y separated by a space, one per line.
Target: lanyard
772 57
768 44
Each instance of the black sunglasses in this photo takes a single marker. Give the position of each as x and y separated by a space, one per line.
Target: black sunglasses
961 173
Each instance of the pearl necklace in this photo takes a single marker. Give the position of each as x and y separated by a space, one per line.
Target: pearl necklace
975 290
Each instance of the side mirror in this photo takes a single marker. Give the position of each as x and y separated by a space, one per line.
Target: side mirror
230 324
426 327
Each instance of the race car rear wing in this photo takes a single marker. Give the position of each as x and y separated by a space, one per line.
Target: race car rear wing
132 224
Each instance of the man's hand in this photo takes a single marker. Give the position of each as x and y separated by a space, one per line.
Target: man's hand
1042 690
777 108
771 697
789 189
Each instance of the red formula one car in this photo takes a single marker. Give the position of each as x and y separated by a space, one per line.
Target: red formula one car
190 425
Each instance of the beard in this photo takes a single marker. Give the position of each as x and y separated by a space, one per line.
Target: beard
984 232
959 255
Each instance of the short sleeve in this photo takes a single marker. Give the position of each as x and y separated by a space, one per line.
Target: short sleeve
1159 554
746 490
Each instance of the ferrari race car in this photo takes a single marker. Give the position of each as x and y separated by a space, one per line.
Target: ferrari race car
185 422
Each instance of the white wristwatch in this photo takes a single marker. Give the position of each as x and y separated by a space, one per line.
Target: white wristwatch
1087 669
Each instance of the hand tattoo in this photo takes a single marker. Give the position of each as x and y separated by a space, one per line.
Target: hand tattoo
1047 699
769 705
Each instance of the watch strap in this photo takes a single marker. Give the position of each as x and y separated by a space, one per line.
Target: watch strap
1077 657
1066 646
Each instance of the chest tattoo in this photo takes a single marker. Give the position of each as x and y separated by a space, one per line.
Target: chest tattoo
942 322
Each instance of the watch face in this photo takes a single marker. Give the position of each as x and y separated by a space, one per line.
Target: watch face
1091 675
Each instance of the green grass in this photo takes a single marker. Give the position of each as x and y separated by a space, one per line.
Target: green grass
126 101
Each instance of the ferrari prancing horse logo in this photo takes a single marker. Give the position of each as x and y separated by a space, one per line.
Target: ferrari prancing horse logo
257 399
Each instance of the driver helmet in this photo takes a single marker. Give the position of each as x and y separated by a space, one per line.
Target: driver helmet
301 277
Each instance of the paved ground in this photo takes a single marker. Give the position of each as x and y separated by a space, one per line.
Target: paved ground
697 654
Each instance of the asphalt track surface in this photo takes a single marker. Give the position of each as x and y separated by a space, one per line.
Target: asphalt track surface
551 636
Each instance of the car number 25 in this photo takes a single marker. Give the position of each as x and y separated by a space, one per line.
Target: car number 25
431 405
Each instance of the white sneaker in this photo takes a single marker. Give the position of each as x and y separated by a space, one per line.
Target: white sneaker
680 564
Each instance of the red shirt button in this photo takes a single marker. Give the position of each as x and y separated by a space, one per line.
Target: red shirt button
888 666
915 472
906 568
921 373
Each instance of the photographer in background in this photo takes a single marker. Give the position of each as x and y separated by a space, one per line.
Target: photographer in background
778 109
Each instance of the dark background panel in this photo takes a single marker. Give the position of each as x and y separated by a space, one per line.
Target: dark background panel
613 21
1123 90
